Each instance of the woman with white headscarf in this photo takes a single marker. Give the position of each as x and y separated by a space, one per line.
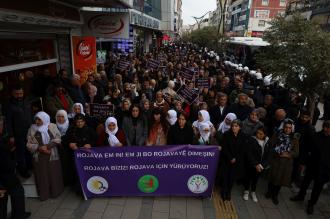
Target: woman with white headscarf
204 137
43 140
62 121
116 137
171 117
77 108
225 125
203 117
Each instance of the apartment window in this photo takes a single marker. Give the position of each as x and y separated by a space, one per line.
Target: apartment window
261 23
261 14
265 2
282 3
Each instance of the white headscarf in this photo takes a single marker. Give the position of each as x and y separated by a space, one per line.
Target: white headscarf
43 129
223 127
62 127
73 114
206 119
172 117
113 140
204 135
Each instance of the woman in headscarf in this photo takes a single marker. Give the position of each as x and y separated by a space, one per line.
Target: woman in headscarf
203 117
181 132
77 108
204 136
62 123
43 139
285 147
158 129
135 127
115 136
171 117
232 168
225 125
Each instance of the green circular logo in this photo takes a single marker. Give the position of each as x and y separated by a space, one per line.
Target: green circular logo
148 184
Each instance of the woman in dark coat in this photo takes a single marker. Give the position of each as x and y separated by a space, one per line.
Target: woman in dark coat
181 132
285 147
79 136
257 161
233 146
135 127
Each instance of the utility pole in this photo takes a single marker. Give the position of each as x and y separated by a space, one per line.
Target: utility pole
200 19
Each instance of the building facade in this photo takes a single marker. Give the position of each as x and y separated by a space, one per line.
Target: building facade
317 10
251 17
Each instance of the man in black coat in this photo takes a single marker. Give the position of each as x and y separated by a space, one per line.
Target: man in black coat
10 186
18 118
241 109
219 111
317 167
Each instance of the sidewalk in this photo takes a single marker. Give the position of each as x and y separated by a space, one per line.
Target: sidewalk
68 205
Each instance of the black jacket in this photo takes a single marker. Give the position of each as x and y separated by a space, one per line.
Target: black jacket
306 132
18 118
242 112
178 136
216 116
8 178
234 147
81 136
255 155
320 153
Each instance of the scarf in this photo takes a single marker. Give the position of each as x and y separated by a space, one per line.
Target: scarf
73 114
206 119
113 140
223 127
64 101
283 143
204 135
172 117
62 127
43 129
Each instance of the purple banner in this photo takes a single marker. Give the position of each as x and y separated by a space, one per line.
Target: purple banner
153 64
189 95
147 171
203 83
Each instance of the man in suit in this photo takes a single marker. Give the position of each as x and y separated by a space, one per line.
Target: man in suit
219 111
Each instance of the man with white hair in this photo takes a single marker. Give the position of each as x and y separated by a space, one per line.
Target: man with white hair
75 91
169 91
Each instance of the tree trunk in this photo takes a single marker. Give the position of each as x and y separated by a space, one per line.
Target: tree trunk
311 100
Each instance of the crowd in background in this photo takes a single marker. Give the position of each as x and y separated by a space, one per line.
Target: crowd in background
261 127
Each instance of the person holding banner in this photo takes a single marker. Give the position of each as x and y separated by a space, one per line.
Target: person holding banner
181 132
203 117
233 145
135 127
43 140
204 136
116 137
158 128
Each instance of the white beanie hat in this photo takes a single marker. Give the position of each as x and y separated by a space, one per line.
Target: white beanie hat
246 68
253 72
258 75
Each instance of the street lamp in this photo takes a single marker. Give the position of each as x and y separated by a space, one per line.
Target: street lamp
200 19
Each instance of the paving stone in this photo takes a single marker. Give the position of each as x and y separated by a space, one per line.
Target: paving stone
161 205
299 213
117 201
92 215
45 212
98 205
178 207
272 213
32 205
146 210
195 208
159 215
113 212
62 214
254 209
71 201
132 208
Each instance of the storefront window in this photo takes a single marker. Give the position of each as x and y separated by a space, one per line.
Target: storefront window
18 51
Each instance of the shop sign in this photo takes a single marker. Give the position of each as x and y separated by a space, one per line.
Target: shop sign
84 56
107 25
139 19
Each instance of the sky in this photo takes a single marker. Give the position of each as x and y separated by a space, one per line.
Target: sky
196 8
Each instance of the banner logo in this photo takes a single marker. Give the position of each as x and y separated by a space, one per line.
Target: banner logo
97 185
84 49
148 184
197 184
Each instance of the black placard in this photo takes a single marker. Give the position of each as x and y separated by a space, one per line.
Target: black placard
203 83
101 111
189 95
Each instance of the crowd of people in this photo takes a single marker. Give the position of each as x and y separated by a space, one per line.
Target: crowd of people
261 128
